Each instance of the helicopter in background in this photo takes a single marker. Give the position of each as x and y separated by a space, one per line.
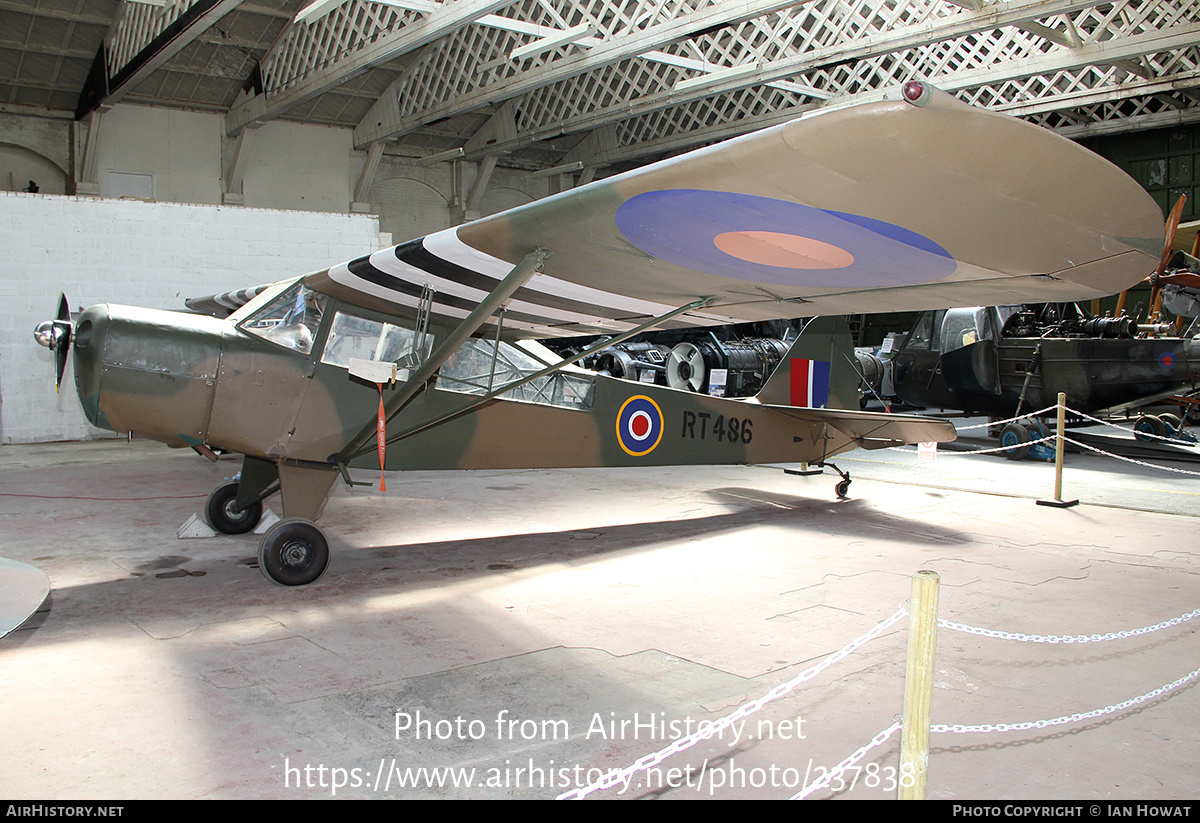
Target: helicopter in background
1005 361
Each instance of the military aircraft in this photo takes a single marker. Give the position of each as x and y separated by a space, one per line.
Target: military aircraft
421 356
1005 360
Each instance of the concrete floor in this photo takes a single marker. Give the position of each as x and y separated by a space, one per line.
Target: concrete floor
520 623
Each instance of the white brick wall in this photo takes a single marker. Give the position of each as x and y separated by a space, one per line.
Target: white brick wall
145 254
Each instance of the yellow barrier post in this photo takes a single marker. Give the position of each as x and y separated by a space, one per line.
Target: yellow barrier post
1061 423
918 686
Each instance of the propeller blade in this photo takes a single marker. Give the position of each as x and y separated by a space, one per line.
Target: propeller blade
60 339
1172 227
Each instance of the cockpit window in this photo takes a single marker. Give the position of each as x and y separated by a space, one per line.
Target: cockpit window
964 327
360 338
480 366
291 319
922 333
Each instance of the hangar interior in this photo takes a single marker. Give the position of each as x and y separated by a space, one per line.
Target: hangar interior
157 150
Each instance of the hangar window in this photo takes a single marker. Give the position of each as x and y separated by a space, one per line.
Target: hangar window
482 366
291 319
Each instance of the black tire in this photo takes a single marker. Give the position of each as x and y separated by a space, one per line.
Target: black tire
293 552
841 488
220 513
1149 428
1015 440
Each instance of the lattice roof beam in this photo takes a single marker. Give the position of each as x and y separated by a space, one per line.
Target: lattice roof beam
142 39
775 72
1108 95
1104 52
386 121
441 21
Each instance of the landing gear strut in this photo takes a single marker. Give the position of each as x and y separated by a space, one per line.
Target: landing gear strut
843 485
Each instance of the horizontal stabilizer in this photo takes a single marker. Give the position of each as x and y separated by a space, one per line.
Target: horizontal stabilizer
877 430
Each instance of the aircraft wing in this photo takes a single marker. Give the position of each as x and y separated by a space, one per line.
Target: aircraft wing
884 206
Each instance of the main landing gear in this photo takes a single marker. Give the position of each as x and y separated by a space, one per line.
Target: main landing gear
293 552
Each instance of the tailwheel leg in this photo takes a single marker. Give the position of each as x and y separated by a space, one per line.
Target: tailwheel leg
293 552
843 485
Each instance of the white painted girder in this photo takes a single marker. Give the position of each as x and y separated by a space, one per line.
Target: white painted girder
639 140
1028 78
443 97
788 67
354 57
1018 55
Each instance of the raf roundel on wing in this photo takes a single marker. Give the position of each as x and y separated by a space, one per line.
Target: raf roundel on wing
764 240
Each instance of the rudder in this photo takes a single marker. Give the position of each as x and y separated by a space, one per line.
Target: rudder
819 370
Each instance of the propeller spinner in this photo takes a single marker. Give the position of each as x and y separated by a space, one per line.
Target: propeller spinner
56 336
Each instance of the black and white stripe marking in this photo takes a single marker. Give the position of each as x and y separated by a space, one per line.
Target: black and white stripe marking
462 276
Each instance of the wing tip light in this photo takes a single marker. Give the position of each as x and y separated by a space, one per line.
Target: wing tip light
917 93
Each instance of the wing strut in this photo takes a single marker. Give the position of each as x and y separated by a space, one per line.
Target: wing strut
494 393
529 265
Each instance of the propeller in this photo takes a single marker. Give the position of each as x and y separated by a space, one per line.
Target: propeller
1153 279
56 336
1155 286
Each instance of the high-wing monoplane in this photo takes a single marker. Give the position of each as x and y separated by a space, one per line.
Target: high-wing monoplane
422 356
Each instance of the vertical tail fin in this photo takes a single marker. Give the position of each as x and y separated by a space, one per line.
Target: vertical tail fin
819 371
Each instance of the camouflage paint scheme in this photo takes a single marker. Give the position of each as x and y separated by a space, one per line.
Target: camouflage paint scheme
914 202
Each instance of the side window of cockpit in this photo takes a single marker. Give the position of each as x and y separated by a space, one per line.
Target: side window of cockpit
291 319
921 334
965 327
360 338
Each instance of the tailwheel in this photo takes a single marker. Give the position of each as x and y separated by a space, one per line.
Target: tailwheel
222 512
293 552
842 485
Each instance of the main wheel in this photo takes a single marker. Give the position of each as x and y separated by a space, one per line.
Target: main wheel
293 552
1015 440
223 515
1173 423
1149 428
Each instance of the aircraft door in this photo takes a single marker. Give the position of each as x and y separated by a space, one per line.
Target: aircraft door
917 364
338 405
265 373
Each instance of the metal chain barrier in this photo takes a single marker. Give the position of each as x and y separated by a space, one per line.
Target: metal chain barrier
1129 459
836 771
746 709
1111 425
1071 718
991 423
1079 638
1050 438
716 727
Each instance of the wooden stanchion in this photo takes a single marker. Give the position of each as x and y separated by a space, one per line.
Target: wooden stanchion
1059 442
918 686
